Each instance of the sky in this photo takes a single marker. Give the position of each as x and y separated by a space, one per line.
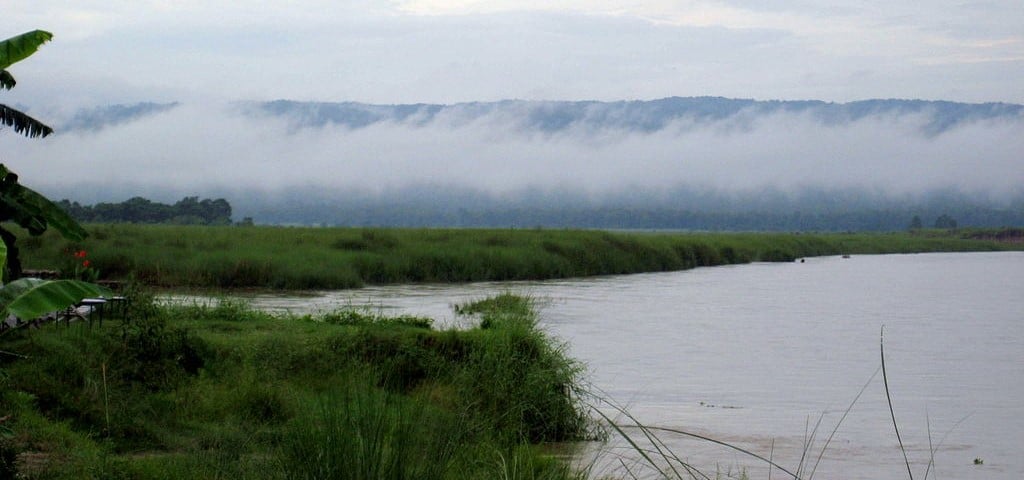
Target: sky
207 54
445 51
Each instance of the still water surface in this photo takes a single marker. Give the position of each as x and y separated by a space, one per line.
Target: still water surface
755 354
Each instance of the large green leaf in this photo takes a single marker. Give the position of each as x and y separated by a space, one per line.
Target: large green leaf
18 48
29 298
32 211
22 123
54 216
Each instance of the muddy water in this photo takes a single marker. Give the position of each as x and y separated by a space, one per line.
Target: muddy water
756 355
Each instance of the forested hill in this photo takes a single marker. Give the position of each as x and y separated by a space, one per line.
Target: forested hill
187 211
644 116
554 116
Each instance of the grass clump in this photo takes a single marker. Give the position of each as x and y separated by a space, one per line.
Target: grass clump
355 317
503 303
222 391
357 432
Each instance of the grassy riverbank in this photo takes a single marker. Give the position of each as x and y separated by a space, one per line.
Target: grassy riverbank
328 258
226 392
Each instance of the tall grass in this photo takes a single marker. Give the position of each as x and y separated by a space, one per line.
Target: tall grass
520 377
357 432
322 258
227 392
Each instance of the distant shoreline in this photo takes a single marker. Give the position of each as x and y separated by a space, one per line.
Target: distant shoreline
279 258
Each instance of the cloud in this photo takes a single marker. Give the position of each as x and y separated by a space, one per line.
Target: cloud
447 51
196 149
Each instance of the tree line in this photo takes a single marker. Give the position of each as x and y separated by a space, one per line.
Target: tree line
187 211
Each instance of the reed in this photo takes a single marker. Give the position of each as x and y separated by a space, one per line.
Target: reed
331 258
653 456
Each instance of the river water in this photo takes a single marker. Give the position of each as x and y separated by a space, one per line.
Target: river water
756 355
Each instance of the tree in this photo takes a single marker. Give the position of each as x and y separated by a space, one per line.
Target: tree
915 223
22 205
945 221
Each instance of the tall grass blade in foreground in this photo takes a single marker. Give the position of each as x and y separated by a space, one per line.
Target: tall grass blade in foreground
828 441
888 398
669 457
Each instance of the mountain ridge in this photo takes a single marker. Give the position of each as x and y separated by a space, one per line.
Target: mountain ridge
553 116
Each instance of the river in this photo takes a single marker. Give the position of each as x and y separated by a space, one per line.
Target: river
755 355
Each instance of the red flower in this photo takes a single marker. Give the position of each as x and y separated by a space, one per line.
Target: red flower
85 264
80 254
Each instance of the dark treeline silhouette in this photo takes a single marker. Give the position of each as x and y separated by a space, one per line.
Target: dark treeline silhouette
187 211
682 209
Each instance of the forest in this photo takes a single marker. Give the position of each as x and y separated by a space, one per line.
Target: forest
187 211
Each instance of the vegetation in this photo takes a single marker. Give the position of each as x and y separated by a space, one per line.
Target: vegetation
770 210
22 205
311 258
227 392
187 211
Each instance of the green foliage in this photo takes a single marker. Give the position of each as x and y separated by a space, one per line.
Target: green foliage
360 433
945 221
330 258
18 48
32 211
29 298
507 303
221 391
19 204
916 223
156 356
13 50
187 211
354 317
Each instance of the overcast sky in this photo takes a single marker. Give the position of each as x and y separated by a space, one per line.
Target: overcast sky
207 53
443 51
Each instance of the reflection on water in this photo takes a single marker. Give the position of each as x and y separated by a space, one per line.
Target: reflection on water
784 345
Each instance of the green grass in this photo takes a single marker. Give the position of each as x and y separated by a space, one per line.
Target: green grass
331 258
228 392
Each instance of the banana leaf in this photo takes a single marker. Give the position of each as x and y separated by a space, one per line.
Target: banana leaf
18 48
23 124
29 298
32 211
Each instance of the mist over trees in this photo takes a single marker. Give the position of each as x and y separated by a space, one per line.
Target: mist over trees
684 209
634 115
698 163
187 211
678 209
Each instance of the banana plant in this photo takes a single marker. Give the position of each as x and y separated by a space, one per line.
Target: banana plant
29 298
19 204
13 50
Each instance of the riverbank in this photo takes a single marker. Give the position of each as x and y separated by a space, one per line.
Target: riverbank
229 392
339 258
